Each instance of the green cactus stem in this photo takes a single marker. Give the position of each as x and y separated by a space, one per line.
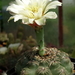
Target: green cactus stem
40 40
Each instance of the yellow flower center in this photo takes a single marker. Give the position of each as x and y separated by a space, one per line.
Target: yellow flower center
34 8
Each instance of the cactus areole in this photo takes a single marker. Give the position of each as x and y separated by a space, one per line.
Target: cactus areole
40 60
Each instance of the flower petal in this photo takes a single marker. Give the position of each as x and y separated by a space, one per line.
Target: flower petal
51 15
31 21
11 8
14 8
19 2
52 5
10 18
25 21
26 2
41 21
38 14
27 13
17 17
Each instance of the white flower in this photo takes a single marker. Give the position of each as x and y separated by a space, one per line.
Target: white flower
3 50
33 11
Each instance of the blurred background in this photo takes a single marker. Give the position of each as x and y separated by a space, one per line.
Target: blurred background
51 27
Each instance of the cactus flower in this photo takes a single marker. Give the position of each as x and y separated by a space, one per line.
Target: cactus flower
33 11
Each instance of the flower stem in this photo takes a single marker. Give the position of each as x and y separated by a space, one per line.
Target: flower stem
40 40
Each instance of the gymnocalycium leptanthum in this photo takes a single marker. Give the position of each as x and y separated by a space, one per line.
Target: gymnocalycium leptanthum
34 13
41 60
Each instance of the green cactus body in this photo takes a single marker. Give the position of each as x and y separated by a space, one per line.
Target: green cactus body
3 37
20 35
11 38
54 62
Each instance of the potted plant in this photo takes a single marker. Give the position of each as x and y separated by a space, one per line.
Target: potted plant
39 60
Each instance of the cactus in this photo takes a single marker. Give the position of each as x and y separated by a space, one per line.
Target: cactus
31 41
16 48
40 60
15 51
3 40
11 38
21 29
9 55
10 50
20 33
3 37
54 62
